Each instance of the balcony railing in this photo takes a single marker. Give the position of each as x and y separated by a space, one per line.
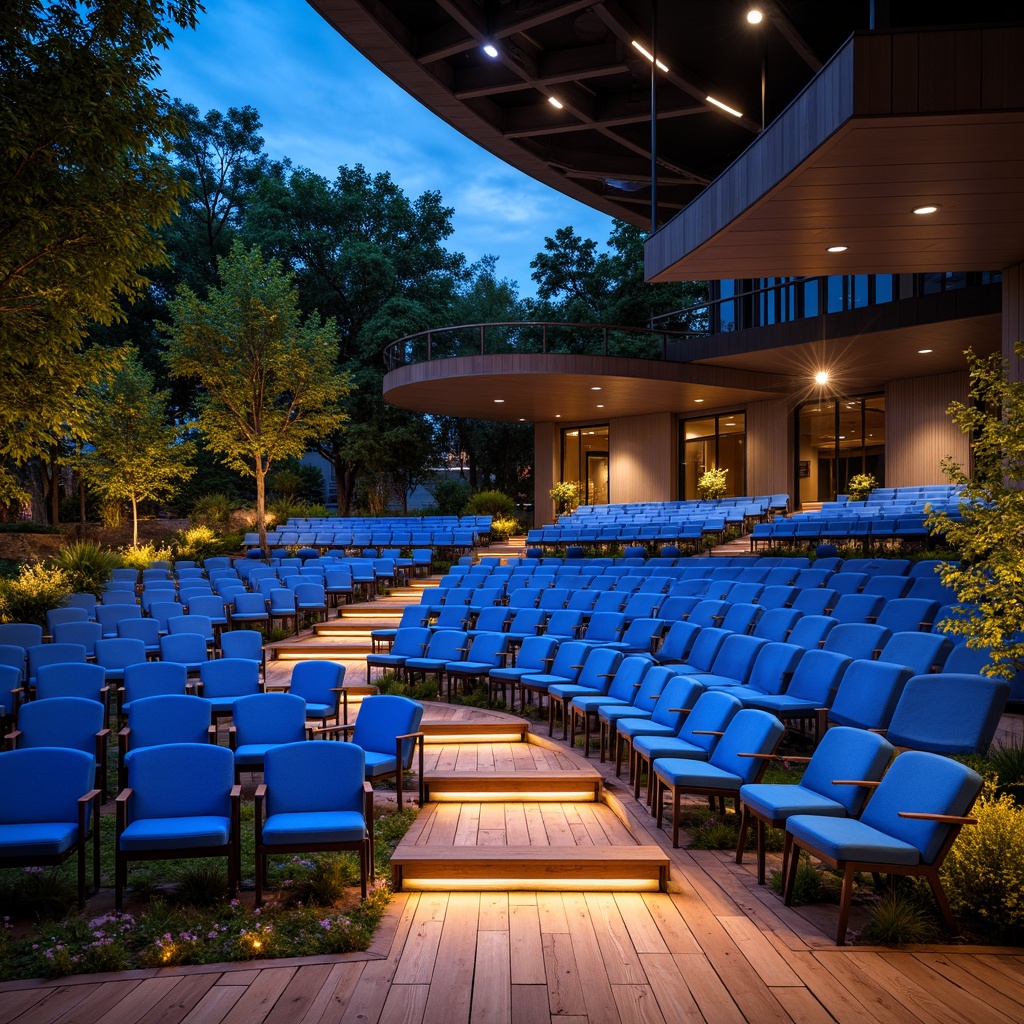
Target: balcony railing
531 338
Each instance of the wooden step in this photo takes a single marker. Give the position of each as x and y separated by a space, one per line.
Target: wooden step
305 650
505 787
475 731
510 868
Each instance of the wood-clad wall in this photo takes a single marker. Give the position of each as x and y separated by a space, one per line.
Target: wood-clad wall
1013 319
546 471
769 448
919 432
643 464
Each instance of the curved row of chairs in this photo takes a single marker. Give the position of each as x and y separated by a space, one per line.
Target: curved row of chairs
179 791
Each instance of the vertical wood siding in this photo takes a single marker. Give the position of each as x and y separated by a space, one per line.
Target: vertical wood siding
769 448
919 432
642 459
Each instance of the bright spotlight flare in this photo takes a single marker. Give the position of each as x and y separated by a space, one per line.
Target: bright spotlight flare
754 16
821 378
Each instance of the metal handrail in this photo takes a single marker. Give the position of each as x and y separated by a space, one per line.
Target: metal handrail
443 342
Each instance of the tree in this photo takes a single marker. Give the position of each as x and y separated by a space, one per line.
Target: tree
135 456
989 577
82 187
269 380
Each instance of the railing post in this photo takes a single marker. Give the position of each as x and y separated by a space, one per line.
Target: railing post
482 326
606 341
430 345
544 339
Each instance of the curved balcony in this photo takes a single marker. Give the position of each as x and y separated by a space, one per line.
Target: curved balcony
543 370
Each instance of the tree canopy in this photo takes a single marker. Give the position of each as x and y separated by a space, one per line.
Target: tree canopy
83 185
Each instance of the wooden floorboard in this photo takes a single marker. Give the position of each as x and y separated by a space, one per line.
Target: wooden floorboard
716 949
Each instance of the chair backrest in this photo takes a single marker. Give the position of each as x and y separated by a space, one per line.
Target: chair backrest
708 613
82 600
774 667
310 595
628 676
534 653
676 643
71 722
868 694
242 643
740 618
164 611
53 654
776 595
488 648
108 616
249 604
191 623
492 619
229 677
675 700
188 648
569 659
269 718
314 681
857 608
81 632
736 656
54 616
447 645
776 623
948 713
71 679
303 778
908 613
922 652
382 718
599 669
118 652
922 782
712 712
43 784
167 718
860 640
563 623
846 753
21 634
153 678
146 630
749 732
12 656
817 676
705 648
177 780
411 641
815 601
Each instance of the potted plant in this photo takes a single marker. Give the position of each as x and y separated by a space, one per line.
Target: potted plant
566 496
860 486
711 485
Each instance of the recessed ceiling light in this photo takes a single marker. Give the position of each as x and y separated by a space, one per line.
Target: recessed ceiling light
723 106
491 50
730 424
600 407
698 400
522 419
922 211
837 248
924 351
595 388
558 415
754 16
499 400
555 102
821 378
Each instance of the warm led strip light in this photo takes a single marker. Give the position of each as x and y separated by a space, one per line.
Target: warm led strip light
576 884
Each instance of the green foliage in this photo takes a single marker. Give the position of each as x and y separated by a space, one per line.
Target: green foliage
712 484
1006 763
283 509
899 917
490 503
391 682
27 526
811 885
87 565
83 185
201 883
37 893
196 543
268 375
320 881
213 510
860 486
140 556
35 590
135 456
450 496
989 577
298 481
983 873
566 496
503 528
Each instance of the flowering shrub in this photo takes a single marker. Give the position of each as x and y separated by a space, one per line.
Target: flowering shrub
712 484
36 590
140 557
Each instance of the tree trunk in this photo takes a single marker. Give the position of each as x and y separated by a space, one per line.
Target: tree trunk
135 521
261 506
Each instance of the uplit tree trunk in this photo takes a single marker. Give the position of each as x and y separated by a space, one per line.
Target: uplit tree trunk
135 520
261 505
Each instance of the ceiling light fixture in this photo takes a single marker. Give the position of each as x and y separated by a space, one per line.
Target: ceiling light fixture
922 211
499 400
522 419
649 56
837 248
924 351
555 102
600 407
698 400
491 50
723 106
595 388
754 16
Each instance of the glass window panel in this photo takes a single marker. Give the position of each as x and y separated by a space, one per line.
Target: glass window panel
699 428
835 295
883 288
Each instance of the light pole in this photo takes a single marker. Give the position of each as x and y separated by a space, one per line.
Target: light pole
755 16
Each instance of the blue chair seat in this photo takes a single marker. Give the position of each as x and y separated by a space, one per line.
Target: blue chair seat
319 710
655 746
379 764
847 839
221 705
636 726
681 771
38 839
617 712
776 804
295 827
251 754
176 833
588 702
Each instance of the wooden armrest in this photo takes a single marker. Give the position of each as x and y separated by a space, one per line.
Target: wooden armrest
104 733
333 728
261 791
793 760
124 796
854 782
577 667
125 732
636 686
950 819
679 711
91 795
367 788
13 736
760 757
236 793
410 736
606 675
707 732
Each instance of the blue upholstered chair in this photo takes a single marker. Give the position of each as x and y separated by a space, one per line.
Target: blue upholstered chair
49 809
594 679
114 654
583 707
387 729
159 719
535 654
868 694
409 642
642 705
320 685
907 828
73 679
261 721
843 753
181 801
486 652
739 759
225 680
314 798
188 649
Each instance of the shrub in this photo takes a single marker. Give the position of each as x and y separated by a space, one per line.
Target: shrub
87 565
984 872
897 918
35 590
712 484
566 496
490 503
450 496
282 509
1007 763
811 885
144 555
203 883
860 486
213 510
197 543
502 529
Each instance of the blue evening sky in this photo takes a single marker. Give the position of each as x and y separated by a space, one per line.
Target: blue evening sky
324 105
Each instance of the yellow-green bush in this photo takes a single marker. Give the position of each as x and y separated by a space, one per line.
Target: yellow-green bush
984 872
36 590
87 565
140 557
502 529
197 543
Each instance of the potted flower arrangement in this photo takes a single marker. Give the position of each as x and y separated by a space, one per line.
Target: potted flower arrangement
711 485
